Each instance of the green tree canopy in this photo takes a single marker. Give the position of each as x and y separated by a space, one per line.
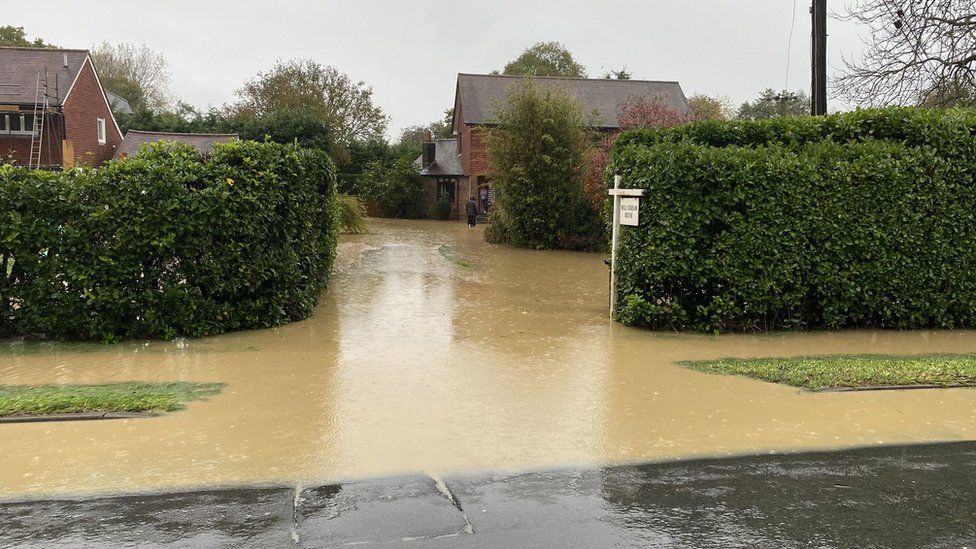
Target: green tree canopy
539 154
772 104
622 74
706 107
322 91
545 59
16 36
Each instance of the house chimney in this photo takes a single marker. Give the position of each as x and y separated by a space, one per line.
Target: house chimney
65 60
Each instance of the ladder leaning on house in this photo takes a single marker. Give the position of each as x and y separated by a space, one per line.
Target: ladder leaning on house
37 133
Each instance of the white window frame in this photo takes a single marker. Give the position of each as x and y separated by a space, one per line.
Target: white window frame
8 124
100 122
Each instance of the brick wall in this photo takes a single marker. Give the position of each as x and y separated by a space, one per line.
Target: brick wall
84 106
475 159
18 147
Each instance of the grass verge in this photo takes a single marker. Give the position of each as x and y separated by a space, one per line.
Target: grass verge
851 371
17 400
450 253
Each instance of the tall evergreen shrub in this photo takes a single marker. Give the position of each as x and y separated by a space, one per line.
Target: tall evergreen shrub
167 244
859 219
538 155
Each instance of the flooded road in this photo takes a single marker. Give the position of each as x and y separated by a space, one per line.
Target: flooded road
437 353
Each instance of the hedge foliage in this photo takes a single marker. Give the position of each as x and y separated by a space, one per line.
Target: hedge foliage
167 244
859 219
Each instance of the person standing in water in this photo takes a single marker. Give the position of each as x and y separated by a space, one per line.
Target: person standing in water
484 199
471 208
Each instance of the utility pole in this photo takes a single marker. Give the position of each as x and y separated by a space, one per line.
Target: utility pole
819 91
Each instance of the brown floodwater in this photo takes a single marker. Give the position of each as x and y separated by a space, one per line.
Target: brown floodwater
416 362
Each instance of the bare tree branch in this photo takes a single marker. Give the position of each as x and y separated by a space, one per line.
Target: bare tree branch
919 52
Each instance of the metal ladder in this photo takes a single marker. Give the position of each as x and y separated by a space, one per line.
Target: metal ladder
37 133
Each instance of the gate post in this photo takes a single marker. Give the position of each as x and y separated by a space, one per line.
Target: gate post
613 245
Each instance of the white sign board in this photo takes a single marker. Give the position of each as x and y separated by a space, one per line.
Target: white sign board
630 211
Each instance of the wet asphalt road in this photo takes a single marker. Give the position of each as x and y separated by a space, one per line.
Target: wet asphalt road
911 497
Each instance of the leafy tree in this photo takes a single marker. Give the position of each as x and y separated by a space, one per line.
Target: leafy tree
538 159
706 107
545 59
622 74
16 36
138 73
771 104
326 93
444 129
917 53
642 112
396 186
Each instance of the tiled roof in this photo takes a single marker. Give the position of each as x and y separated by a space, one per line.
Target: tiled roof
203 142
446 159
480 93
19 68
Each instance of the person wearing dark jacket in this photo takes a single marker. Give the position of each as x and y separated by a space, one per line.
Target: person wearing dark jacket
471 208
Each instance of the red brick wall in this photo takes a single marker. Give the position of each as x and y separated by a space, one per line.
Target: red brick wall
85 104
18 147
475 159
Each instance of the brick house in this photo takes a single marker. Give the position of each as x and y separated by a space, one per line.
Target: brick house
459 167
53 110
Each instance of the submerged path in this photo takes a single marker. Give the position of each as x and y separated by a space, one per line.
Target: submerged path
883 497
438 354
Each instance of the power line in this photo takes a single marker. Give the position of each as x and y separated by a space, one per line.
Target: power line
789 47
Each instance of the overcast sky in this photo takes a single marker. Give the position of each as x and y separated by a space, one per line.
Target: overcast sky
410 51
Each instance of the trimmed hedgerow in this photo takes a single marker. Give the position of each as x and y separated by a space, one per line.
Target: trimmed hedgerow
167 244
803 233
948 131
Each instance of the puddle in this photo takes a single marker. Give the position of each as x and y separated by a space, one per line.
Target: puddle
413 364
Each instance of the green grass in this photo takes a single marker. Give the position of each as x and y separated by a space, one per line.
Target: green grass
17 400
850 371
450 253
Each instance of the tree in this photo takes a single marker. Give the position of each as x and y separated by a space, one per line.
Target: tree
326 93
396 186
771 104
444 129
642 112
16 36
538 154
637 112
412 136
545 59
705 107
916 52
138 73
622 74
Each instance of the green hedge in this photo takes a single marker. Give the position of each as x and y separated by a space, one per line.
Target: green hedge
947 131
803 233
167 244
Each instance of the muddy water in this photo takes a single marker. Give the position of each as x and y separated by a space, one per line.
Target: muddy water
416 363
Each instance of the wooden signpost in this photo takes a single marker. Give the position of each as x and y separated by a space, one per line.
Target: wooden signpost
626 211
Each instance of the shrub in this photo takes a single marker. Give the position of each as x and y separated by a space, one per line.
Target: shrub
869 223
351 214
538 158
166 243
397 188
440 210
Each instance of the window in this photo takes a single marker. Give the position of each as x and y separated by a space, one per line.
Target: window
446 188
101 131
17 124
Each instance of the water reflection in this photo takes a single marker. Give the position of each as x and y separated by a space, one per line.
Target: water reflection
414 363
